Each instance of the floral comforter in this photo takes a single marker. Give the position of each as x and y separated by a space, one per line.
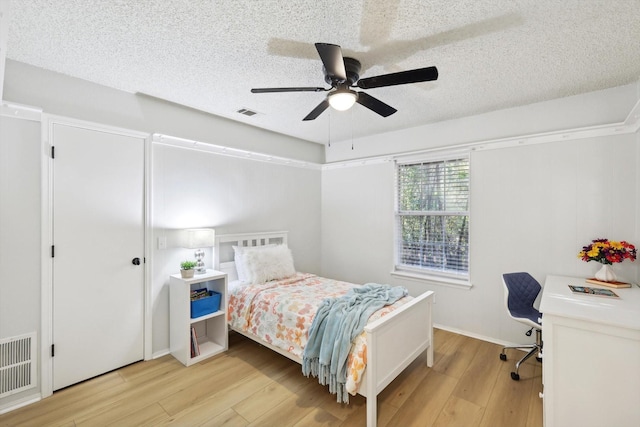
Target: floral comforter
281 312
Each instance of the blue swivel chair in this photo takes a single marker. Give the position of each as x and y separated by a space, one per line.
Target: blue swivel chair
520 291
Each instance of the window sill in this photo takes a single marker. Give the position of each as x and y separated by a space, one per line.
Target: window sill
433 279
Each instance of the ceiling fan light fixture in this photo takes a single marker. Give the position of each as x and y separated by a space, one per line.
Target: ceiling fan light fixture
342 100
343 73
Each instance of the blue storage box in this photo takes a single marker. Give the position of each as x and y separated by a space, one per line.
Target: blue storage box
206 305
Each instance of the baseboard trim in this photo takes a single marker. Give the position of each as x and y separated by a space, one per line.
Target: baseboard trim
19 403
476 336
161 353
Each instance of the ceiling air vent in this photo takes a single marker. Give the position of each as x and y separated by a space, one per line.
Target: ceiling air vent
247 112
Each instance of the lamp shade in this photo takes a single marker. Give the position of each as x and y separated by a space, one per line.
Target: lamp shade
195 238
342 100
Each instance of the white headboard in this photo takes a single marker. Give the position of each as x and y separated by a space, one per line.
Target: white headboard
223 254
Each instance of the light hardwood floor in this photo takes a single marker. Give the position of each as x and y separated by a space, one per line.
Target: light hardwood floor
252 386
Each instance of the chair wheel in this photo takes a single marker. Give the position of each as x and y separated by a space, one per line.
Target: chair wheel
503 356
539 359
515 376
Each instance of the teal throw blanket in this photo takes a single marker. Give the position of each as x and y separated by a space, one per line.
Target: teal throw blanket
336 324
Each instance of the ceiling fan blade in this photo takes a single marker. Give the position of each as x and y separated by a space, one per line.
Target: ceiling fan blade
288 89
403 77
333 61
375 105
317 111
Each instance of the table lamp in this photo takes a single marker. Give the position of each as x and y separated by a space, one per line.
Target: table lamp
198 238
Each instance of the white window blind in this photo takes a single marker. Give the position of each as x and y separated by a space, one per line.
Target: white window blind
432 217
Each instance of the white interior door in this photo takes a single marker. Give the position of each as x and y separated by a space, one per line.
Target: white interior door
98 231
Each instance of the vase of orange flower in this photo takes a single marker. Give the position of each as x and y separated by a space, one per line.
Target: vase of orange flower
607 252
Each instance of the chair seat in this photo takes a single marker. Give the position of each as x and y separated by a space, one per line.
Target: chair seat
527 313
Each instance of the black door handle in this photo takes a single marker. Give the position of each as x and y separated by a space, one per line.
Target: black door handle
135 261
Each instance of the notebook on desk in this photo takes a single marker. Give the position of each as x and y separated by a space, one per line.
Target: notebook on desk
616 285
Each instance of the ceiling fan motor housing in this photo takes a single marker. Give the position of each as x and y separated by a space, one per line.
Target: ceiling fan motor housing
352 66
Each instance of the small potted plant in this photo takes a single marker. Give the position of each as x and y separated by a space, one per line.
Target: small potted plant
187 269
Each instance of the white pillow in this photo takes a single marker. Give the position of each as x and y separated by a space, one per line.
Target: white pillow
239 259
270 263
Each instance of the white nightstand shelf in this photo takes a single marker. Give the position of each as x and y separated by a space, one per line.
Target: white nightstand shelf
211 328
207 316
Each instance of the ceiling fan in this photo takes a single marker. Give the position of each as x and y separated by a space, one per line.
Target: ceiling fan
342 73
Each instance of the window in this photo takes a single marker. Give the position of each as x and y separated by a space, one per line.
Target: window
432 217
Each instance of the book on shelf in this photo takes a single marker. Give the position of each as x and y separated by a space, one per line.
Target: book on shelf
197 294
593 291
195 347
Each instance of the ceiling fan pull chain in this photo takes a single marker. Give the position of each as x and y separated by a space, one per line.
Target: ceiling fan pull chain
329 129
351 130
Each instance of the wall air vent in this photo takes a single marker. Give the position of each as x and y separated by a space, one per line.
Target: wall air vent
17 364
247 112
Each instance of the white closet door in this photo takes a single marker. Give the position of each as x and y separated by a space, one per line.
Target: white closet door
98 231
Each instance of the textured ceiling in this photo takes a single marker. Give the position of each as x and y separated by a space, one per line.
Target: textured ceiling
491 54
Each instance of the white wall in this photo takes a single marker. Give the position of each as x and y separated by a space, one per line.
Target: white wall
193 190
357 223
532 209
19 228
589 109
67 96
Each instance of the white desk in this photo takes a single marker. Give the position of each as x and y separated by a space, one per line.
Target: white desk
591 356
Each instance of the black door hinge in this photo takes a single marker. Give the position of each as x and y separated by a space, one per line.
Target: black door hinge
53 251
53 350
53 152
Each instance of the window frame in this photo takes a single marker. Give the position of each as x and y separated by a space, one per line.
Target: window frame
461 280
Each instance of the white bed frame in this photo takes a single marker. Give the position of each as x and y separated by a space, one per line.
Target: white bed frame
393 341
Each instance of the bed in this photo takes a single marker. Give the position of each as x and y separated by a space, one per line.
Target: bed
392 339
